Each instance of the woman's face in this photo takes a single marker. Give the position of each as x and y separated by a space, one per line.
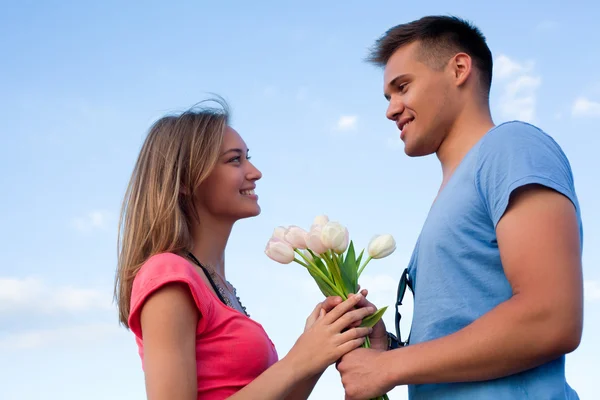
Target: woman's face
228 192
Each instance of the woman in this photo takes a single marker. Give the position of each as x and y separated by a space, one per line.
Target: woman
192 181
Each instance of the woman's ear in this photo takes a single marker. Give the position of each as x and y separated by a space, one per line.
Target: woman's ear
184 190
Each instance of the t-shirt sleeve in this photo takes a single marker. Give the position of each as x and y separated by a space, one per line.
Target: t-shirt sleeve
158 271
518 154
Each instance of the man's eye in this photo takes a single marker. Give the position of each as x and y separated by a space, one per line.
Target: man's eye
402 88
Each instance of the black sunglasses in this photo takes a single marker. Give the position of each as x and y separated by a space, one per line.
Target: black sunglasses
404 283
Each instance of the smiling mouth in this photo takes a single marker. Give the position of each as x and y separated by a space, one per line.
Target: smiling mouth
247 192
405 124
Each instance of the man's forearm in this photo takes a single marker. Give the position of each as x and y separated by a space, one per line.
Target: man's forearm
513 337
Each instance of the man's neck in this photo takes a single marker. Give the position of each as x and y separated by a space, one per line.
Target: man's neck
471 125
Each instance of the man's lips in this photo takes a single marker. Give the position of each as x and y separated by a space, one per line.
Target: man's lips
403 122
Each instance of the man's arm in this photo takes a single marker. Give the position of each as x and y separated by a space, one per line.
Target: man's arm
539 243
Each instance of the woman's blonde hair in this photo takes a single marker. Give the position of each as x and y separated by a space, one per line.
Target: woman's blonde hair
179 153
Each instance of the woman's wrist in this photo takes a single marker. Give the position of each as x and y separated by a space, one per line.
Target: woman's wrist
296 369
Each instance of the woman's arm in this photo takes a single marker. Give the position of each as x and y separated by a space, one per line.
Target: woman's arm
321 344
169 318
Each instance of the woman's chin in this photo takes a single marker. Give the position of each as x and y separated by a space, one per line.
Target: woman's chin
249 212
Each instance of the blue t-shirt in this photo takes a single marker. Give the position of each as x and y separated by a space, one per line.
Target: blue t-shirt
456 268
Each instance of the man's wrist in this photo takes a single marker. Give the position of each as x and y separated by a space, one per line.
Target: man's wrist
390 365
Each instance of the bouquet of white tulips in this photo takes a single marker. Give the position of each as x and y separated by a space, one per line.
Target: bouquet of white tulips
328 254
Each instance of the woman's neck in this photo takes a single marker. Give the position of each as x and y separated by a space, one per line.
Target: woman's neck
210 240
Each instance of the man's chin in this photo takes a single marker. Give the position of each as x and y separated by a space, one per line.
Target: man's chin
416 151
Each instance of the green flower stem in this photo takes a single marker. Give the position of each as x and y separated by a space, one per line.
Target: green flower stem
325 257
360 270
334 269
301 263
336 261
312 253
301 254
328 263
317 271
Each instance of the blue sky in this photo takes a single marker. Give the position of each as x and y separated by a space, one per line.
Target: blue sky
81 83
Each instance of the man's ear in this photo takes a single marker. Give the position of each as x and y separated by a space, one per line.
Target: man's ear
461 67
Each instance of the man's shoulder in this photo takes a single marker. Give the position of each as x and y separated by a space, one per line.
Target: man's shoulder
515 135
519 141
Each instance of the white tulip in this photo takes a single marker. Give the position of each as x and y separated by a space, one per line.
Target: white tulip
296 237
279 233
279 251
335 237
320 221
381 246
314 242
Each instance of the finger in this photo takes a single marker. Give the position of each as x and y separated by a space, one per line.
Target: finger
360 305
355 324
364 302
352 316
314 314
354 333
350 345
342 308
330 302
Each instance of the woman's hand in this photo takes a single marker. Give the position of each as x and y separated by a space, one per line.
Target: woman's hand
326 305
326 337
378 336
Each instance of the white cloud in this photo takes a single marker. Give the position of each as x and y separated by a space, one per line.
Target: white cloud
31 294
591 290
97 219
504 67
518 99
583 107
347 123
68 335
383 284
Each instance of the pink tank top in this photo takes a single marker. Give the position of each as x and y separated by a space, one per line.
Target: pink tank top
231 349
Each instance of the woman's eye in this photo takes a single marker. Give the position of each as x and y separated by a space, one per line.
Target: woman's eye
235 159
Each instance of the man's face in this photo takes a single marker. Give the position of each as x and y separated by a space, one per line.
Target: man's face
419 100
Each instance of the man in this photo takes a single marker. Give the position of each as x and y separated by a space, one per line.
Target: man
496 270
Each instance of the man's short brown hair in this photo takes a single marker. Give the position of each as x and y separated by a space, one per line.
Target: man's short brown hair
440 37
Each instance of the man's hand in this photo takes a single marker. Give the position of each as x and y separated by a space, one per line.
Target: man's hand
361 374
378 338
